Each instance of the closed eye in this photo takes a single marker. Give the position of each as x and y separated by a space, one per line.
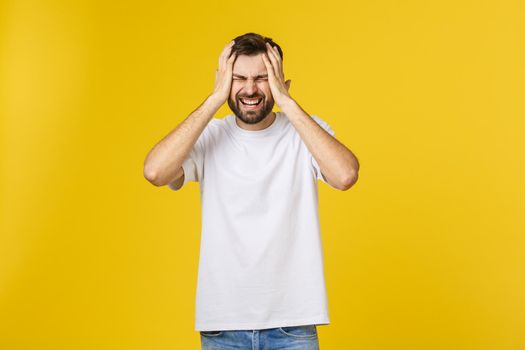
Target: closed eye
258 79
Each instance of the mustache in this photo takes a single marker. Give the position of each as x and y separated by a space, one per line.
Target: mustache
250 96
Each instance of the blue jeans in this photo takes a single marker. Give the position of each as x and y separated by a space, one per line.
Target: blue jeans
292 338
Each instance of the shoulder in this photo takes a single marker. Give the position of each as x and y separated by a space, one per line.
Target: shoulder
323 124
215 126
215 123
315 117
220 123
318 120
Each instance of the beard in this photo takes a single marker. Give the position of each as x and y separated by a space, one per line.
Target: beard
251 116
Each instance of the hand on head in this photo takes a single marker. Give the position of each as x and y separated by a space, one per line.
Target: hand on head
274 66
223 74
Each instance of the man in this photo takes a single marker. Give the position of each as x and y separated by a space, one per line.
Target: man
260 281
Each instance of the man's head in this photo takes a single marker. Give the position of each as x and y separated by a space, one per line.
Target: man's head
250 79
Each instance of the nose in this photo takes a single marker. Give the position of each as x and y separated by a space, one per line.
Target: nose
250 87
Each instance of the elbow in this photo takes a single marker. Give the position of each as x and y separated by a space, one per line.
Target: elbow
152 176
351 176
349 180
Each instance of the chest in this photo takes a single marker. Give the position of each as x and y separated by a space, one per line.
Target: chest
257 167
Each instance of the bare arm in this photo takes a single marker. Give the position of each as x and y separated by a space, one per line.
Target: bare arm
163 164
339 165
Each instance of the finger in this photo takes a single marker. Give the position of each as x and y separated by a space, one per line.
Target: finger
225 53
270 51
287 84
277 60
223 58
232 56
273 62
269 67
274 57
230 61
227 49
277 54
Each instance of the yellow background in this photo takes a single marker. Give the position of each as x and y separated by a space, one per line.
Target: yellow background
426 251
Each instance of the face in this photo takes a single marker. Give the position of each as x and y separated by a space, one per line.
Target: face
250 98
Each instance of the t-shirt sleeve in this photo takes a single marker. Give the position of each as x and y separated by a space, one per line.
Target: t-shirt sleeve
193 165
315 166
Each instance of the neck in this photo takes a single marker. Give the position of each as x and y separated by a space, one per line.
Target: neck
263 124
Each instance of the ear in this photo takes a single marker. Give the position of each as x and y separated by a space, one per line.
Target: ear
287 84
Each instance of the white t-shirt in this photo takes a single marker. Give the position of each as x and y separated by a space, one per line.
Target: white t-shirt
261 259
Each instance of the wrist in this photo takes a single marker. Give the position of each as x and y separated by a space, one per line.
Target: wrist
286 103
214 101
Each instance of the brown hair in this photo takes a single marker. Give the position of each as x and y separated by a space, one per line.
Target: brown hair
251 44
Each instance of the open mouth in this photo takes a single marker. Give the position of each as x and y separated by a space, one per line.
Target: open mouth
251 102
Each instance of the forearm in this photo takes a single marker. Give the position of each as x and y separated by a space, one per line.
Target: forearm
166 157
336 161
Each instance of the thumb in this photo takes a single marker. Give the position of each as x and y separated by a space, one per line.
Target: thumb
287 84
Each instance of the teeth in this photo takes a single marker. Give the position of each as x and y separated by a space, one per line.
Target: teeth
251 102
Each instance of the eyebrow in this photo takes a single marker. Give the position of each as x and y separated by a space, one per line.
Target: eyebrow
257 76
